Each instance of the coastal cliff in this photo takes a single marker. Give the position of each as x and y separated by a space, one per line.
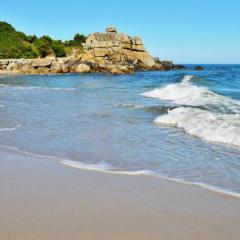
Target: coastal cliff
110 52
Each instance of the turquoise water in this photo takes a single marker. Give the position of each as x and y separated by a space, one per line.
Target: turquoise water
183 125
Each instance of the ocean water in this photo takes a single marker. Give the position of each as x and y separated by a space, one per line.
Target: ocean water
180 125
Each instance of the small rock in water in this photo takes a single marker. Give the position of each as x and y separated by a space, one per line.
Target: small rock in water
179 67
198 68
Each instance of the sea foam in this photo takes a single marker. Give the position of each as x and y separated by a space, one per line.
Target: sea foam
204 124
10 129
106 168
186 93
219 121
30 88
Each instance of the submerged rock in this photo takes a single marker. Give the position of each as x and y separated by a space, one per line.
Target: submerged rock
199 68
179 67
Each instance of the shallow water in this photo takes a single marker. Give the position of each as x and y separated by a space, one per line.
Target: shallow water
184 125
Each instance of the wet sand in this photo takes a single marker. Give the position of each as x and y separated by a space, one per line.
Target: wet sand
43 199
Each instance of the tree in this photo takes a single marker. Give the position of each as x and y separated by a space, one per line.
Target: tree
58 47
79 39
15 44
43 46
31 38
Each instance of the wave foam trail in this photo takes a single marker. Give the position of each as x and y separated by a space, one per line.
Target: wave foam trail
104 167
30 88
10 129
93 167
185 93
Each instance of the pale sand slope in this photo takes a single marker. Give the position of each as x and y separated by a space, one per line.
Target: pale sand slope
41 199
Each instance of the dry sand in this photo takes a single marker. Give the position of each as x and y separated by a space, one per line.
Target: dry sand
41 199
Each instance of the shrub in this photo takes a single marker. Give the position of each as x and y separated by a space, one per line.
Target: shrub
15 44
58 48
43 46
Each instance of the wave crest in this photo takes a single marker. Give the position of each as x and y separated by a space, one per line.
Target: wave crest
201 113
209 126
185 93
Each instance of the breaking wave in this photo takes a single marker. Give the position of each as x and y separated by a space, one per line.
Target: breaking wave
204 124
200 112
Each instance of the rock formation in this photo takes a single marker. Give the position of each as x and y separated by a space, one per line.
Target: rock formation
118 52
103 52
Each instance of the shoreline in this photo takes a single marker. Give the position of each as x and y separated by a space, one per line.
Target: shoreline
42 199
101 168
147 173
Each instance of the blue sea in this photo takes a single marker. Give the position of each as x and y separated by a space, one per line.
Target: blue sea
181 125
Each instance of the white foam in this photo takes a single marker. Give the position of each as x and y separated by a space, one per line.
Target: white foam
207 125
30 88
106 168
10 129
219 122
202 185
185 93
102 167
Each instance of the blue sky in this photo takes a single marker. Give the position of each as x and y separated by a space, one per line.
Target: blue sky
185 31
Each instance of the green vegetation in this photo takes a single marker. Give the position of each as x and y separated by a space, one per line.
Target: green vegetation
15 44
77 41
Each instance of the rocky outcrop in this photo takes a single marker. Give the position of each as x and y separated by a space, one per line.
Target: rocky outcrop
113 49
34 66
111 52
83 68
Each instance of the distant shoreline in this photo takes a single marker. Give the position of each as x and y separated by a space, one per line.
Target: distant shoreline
73 65
109 52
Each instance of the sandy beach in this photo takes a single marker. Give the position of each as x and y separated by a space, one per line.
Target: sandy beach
43 199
